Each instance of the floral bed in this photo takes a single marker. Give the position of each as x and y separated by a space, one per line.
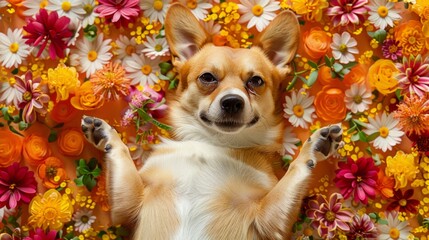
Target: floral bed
360 62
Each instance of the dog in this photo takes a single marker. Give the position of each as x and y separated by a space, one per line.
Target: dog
215 179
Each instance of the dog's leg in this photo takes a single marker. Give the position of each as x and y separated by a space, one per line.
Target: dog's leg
279 208
124 181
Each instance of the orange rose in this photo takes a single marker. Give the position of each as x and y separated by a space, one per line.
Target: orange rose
10 148
316 42
356 75
52 172
85 99
325 78
62 111
35 149
330 105
381 75
70 142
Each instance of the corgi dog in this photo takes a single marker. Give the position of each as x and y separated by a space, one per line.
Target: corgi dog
215 178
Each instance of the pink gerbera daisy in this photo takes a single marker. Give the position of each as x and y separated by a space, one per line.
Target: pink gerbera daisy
357 178
118 12
413 75
47 28
17 185
345 12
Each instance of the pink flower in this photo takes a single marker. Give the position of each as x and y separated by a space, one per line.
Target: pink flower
358 178
329 215
119 12
362 228
17 185
39 234
33 99
345 12
48 28
413 75
391 49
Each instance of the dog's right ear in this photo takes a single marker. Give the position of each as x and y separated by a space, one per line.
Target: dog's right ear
185 35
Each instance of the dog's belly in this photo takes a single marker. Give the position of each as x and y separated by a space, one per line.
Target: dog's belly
211 195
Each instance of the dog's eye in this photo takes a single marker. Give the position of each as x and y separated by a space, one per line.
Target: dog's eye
207 78
254 82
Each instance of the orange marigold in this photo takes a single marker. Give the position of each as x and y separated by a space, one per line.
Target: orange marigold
410 37
52 172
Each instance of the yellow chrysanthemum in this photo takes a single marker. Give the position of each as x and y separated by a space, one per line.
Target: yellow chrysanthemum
402 167
51 210
63 80
311 9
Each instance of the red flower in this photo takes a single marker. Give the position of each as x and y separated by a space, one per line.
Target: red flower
17 185
404 202
358 178
39 234
48 28
118 12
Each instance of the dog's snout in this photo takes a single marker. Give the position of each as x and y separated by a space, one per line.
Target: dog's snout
232 103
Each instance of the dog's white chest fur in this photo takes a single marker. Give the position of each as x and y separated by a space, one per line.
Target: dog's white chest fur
203 177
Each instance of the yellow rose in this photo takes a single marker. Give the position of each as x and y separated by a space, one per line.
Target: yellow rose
381 75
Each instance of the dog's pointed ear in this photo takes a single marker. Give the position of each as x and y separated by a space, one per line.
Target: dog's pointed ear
184 33
280 39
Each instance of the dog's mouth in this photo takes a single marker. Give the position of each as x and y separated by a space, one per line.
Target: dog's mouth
228 125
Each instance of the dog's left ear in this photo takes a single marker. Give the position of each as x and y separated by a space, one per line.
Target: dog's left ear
184 33
280 40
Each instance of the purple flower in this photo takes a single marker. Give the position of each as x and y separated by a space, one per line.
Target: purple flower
362 228
47 28
413 75
391 49
327 216
119 12
33 99
357 178
345 12
17 185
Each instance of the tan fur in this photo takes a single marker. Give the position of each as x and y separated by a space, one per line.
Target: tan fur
216 181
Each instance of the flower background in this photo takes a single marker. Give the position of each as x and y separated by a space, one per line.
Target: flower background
361 62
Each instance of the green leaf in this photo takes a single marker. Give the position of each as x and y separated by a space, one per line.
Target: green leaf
312 78
23 125
165 67
89 182
163 77
362 137
15 71
355 137
96 172
398 95
328 61
1 124
16 119
350 65
12 129
337 67
53 135
373 215
380 35
78 181
373 136
59 125
92 164
6 114
292 83
313 64
173 84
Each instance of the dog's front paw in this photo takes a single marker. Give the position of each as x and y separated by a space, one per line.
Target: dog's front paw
324 142
98 132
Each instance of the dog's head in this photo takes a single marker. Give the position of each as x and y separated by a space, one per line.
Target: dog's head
230 96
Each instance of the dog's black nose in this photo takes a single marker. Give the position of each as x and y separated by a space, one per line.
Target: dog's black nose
232 103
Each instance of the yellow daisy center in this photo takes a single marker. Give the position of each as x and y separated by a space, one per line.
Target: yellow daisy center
92 55
384 132
394 233
330 216
14 47
357 99
343 48
43 3
158 5
12 81
403 202
382 11
257 10
84 219
12 186
393 48
191 4
88 8
158 47
146 69
66 6
27 96
298 110
130 49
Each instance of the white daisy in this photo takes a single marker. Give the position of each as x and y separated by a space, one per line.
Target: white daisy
141 70
3 3
156 47
33 6
289 141
13 48
6 212
395 229
72 9
9 94
382 13
257 13
91 56
126 47
343 47
83 220
299 109
386 126
90 14
198 7
358 98
155 10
